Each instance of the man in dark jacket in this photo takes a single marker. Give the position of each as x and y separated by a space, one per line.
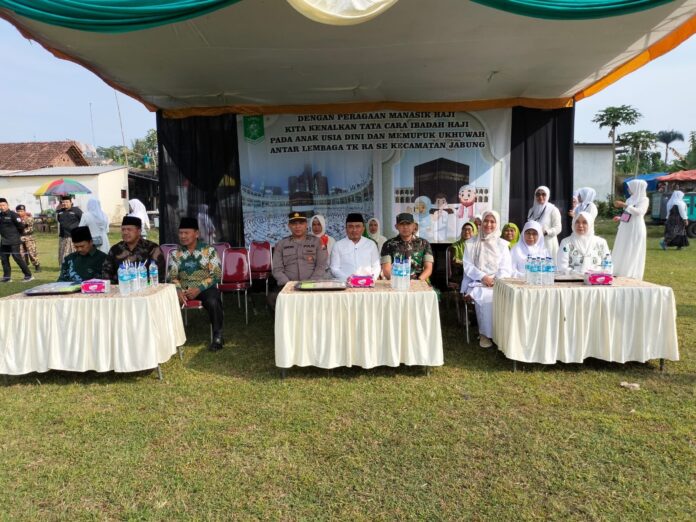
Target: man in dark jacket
11 228
68 218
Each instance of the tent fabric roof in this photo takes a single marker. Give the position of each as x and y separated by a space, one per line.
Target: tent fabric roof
258 56
37 154
683 175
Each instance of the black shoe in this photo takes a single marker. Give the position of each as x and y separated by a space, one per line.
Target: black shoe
216 345
28 278
6 280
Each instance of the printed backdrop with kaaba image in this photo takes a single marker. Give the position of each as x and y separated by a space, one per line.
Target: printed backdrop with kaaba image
444 167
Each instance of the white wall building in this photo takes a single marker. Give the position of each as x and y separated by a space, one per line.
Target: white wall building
592 168
108 184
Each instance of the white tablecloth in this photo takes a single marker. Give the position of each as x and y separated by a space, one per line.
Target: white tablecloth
358 327
569 322
89 332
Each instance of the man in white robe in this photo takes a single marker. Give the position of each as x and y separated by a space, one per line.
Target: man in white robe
354 254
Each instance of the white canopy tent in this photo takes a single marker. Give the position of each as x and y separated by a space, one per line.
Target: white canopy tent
264 56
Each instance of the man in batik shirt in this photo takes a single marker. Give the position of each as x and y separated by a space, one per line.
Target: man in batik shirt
195 270
407 244
132 248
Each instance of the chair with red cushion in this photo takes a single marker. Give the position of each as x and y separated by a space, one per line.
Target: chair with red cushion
236 275
261 261
220 249
191 304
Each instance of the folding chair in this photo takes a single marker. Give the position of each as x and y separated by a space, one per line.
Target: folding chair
220 249
193 304
461 301
236 275
261 261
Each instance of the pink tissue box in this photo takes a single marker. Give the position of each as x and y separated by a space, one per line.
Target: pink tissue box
96 286
361 281
598 278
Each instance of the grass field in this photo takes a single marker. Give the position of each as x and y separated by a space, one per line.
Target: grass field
223 437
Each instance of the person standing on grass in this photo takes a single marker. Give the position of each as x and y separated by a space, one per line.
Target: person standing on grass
27 249
631 238
11 228
548 216
194 268
98 223
68 218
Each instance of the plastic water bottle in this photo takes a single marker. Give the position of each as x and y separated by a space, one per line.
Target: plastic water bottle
133 278
142 276
534 271
528 269
154 274
608 265
550 271
396 273
123 282
406 274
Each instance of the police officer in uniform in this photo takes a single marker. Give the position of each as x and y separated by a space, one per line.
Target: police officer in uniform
68 218
298 257
11 228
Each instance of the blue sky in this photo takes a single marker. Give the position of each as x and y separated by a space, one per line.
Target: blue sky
43 98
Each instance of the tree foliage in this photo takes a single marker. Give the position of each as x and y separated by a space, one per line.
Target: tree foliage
141 154
667 137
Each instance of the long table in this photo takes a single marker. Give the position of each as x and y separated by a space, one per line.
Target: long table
569 322
78 332
358 327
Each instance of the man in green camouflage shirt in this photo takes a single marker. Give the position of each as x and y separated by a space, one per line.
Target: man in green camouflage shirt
407 244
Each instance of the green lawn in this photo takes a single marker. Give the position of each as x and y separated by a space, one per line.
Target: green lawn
223 437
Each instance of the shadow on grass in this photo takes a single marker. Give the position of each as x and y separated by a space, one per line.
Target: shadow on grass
65 378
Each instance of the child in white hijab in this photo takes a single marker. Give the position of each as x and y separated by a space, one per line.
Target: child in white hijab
98 223
486 258
374 229
530 244
548 216
138 210
582 251
586 196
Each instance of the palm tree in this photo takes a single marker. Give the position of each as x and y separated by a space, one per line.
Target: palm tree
613 117
668 137
638 143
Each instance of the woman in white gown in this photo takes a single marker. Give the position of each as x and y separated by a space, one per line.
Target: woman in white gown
531 243
138 210
582 250
548 216
318 224
98 223
586 196
629 248
486 258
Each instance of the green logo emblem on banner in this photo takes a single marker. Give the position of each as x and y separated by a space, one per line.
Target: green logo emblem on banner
253 128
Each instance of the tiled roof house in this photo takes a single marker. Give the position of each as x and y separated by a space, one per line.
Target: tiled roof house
41 154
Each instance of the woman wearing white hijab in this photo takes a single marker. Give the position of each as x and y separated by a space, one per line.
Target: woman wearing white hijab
548 216
531 243
586 197
318 229
138 210
374 229
582 251
629 248
486 258
98 223
675 226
